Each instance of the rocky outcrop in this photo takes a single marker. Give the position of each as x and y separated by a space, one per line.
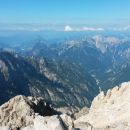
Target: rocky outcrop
20 111
82 112
48 123
110 111
30 113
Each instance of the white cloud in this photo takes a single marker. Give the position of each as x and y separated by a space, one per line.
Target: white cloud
92 29
68 28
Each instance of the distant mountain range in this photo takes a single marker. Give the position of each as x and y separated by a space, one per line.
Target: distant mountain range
103 57
67 72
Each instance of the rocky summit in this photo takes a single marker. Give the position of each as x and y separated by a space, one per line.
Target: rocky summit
30 113
20 111
108 111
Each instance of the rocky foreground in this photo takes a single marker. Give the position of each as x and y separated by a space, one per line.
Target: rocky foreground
28 113
110 111
107 112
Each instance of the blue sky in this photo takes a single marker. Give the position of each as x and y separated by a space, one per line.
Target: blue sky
70 12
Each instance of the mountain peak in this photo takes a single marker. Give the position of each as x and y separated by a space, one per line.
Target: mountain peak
110 110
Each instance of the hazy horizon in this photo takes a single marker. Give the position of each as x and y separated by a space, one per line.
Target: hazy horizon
65 15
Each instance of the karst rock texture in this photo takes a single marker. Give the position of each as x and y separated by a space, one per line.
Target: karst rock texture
31 113
110 111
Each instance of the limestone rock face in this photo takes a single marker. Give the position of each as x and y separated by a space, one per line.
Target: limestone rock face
83 126
48 123
56 122
82 112
110 111
29 113
20 111
68 121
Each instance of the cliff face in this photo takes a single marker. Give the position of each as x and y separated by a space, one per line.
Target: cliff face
110 111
